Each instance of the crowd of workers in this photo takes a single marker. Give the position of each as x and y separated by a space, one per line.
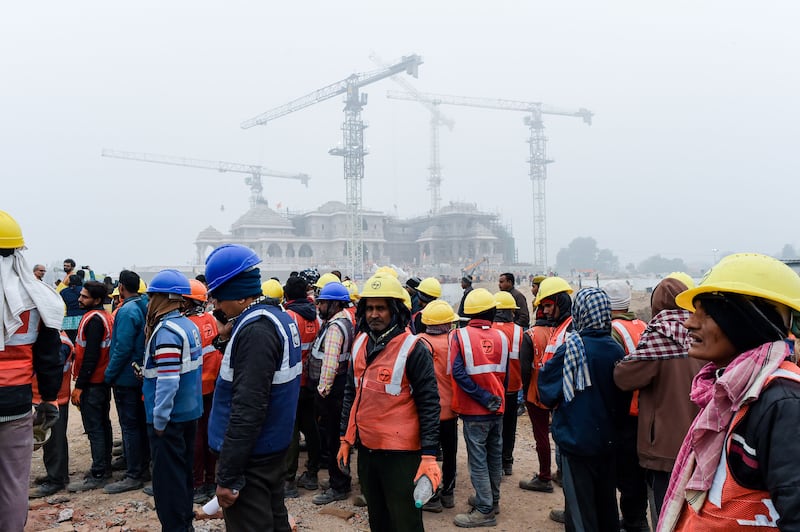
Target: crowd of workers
214 379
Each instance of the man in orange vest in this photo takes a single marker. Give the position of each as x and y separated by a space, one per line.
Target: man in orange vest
479 357
438 317
396 432
91 394
30 318
626 330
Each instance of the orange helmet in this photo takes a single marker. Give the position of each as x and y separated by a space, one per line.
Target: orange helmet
199 291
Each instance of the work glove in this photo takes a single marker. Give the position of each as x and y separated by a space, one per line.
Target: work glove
46 415
343 456
494 403
429 467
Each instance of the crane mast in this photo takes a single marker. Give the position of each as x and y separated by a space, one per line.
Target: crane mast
352 149
537 146
253 180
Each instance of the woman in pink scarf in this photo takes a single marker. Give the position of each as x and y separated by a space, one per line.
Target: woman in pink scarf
737 467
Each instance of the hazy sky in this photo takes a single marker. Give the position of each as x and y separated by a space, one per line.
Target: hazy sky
692 146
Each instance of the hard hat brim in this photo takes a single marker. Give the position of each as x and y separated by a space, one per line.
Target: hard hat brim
685 299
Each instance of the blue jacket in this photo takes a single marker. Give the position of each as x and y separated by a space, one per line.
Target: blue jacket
587 425
174 349
127 342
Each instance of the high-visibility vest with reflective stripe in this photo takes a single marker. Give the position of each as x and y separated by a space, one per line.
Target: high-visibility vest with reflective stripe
384 415
630 331
440 345
16 359
308 332
318 349
485 354
514 334
98 375
728 505
556 339
276 432
64 391
207 325
540 336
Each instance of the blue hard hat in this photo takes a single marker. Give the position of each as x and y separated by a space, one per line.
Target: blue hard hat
334 291
169 282
228 261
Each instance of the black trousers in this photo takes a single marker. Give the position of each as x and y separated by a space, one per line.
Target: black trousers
173 460
509 428
631 479
260 505
590 495
56 451
305 422
387 482
95 408
448 437
332 408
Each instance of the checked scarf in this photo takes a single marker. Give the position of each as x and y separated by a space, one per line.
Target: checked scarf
591 310
664 338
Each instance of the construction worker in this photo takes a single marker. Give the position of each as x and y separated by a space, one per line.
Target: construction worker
479 358
396 432
172 386
522 316
91 393
662 372
127 349
327 372
324 279
626 330
272 288
255 400
29 345
466 286
738 462
352 288
69 269
578 383
301 309
503 321
428 290
411 287
205 461
438 317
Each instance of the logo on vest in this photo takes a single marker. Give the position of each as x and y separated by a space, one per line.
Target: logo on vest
763 520
309 326
487 346
384 376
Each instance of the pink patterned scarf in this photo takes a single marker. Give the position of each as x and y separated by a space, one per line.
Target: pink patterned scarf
719 398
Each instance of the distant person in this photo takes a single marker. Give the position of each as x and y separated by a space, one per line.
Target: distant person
39 271
429 289
522 316
69 269
466 286
74 311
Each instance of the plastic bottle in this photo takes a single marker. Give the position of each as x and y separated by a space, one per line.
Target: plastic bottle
212 507
423 492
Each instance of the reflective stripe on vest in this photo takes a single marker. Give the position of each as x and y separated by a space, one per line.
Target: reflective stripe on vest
556 339
317 350
399 369
27 332
286 373
469 359
516 342
103 315
357 343
187 364
627 340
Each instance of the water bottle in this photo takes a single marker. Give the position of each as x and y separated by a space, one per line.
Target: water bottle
423 492
212 507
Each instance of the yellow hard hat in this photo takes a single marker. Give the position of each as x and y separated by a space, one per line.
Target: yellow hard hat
115 293
749 274
352 288
142 286
386 270
438 312
272 288
551 286
407 300
538 279
430 286
682 277
505 301
10 232
384 286
326 278
477 301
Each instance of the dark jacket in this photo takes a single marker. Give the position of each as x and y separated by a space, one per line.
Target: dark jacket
70 297
127 342
522 315
421 377
467 290
587 425
94 331
304 307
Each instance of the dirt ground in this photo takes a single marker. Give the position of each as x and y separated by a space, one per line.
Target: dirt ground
520 510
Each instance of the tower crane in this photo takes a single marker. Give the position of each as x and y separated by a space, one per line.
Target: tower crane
437 119
352 149
254 180
537 144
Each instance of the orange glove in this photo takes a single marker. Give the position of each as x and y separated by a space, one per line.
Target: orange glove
343 456
76 397
429 467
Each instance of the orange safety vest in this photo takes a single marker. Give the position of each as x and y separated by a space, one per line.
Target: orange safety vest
630 331
352 311
729 506
16 360
485 353
105 345
384 415
308 332
439 344
212 359
557 338
64 391
514 334
540 336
